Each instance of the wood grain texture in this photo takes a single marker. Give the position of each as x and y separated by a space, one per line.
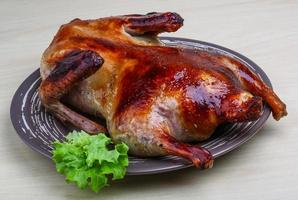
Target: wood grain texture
264 31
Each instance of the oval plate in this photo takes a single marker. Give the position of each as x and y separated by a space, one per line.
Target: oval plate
38 128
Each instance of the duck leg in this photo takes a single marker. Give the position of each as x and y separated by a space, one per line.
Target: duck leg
199 156
256 86
74 68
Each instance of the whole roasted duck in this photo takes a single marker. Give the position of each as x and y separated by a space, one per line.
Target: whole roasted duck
155 98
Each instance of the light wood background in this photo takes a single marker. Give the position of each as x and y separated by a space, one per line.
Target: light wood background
264 31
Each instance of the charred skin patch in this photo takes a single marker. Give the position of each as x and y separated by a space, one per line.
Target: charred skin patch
75 67
153 23
78 62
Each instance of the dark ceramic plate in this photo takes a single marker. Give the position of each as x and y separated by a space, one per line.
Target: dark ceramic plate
38 128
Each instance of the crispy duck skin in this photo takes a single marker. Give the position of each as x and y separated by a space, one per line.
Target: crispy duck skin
155 98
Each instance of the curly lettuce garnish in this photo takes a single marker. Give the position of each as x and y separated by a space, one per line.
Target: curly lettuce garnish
88 160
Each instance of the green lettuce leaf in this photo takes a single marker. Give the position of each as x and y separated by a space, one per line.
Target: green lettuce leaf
88 160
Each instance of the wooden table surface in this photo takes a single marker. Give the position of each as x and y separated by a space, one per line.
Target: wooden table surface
263 168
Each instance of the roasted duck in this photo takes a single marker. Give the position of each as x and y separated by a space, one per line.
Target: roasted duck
155 98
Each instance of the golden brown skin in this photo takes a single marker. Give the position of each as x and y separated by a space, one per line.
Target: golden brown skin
153 97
